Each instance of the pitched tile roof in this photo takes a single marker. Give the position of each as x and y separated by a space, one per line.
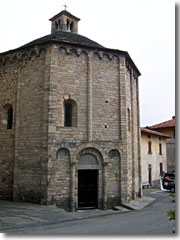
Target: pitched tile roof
66 13
166 124
66 37
149 131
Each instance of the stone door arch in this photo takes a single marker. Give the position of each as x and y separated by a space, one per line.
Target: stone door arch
88 161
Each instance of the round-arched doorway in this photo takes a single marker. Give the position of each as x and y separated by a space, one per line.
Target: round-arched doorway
88 175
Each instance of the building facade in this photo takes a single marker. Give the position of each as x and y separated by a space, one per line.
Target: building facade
153 156
168 127
69 121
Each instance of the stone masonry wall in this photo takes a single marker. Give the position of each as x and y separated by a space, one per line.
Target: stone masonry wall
105 95
133 134
71 78
8 82
114 178
22 144
63 175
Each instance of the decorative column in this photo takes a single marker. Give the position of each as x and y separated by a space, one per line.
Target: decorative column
72 187
120 176
105 185
124 185
89 98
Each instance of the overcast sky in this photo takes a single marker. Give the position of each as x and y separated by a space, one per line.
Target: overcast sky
144 28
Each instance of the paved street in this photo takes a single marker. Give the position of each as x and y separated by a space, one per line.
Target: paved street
150 220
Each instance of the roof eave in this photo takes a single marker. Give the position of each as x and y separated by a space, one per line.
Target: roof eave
159 127
126 54
152 132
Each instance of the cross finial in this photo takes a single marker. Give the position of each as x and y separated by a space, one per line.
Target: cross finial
65 6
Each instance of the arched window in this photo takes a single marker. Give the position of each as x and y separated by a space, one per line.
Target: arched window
8 115
60 24
56 26
70 113
62 153
68 25
71 26
114 153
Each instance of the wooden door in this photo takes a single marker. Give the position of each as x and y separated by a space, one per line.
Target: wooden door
87 188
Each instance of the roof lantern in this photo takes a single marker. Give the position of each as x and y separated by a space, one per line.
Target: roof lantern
64 21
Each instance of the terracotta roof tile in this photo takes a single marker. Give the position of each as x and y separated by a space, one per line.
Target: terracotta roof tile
149 131
166 124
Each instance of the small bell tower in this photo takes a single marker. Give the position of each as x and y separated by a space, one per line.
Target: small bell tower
64 21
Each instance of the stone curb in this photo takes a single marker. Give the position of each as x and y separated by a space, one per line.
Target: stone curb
139 204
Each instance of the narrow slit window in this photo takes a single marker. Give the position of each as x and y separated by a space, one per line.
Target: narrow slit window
71 26
149 148
56 26
129 120
9 118
160 149
68 26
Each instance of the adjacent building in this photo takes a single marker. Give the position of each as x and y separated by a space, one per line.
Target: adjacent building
153 156
168 127
69 121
